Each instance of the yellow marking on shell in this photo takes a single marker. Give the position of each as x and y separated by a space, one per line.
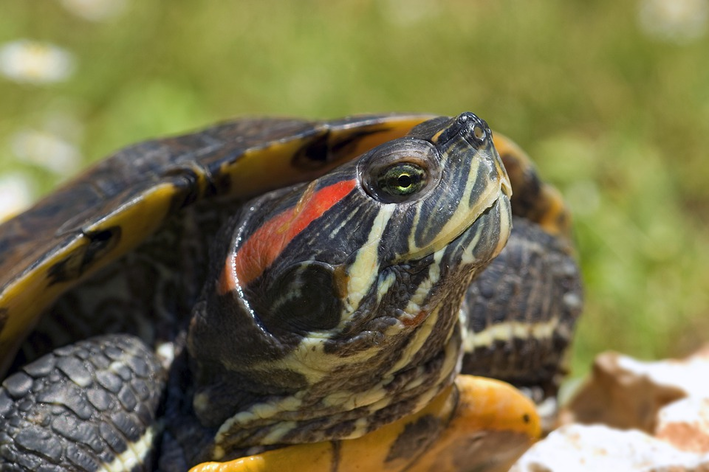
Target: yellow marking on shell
505 145
135 455
484 423
31 293
556 219
270 167
509 330
390 127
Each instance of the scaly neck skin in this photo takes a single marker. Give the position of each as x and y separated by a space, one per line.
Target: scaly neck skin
393 370
339 406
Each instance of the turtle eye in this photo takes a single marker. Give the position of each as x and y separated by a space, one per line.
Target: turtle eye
402 179
401 171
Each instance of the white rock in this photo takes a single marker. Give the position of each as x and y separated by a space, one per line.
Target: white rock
685 424
689 375
600 448
627 393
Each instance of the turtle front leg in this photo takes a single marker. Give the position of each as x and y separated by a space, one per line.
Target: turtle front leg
88 406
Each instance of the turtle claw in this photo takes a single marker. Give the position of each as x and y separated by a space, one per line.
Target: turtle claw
478 424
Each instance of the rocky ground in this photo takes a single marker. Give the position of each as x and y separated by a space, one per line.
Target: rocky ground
631 416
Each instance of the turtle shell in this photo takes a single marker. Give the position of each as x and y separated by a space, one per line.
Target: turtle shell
113 207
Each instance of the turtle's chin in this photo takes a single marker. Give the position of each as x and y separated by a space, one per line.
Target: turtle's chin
488 235
446 274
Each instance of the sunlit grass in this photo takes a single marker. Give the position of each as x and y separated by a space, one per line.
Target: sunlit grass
616 117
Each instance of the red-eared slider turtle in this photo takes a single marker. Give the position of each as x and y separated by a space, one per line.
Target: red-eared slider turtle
202 305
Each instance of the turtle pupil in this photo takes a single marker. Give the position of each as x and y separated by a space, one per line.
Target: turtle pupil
402 179
405 181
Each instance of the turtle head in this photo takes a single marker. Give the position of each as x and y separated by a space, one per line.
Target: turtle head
336 303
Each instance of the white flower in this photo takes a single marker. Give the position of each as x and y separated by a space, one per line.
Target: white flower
16 194
678 21
410 12
95 10
35 62
46 150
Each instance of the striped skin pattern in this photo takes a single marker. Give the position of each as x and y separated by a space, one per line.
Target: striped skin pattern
477 424
356 324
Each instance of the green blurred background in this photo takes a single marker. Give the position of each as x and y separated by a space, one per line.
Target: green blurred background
610 98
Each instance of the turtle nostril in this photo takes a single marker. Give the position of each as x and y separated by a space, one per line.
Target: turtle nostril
479 133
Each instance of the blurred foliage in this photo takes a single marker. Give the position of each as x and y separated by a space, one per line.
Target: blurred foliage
617 118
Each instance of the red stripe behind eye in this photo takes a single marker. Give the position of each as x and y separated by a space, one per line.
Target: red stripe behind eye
266 243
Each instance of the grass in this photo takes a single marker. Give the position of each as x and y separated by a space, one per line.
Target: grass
618 119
